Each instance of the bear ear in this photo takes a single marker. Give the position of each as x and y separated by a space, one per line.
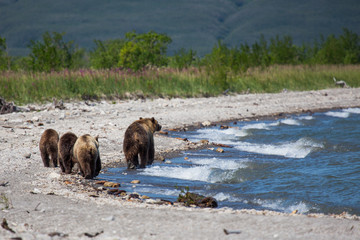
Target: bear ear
153 119
140 118
97 138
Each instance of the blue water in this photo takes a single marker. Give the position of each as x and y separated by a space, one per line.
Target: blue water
309 163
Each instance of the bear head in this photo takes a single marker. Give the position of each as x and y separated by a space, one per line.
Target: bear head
151 123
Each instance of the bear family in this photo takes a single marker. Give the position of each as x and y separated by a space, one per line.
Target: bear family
65 151
86 154
139 140
49 147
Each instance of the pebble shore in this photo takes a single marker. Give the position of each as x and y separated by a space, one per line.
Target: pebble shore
43 203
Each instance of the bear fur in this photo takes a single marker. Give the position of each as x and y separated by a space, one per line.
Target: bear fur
65 151
86 154
139 140
49 147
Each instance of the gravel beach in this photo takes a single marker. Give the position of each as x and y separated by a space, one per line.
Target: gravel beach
42 203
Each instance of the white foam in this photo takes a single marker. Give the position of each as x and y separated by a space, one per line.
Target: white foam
222 196
159 191
210 170
306 118
290 121
299 149
225 164
338 114
259 126
280 205
218 135
352 110
230 134
227 197
198 173
301 207
235 132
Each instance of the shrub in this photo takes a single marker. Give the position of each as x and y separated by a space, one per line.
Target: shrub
52 53
106 54
144 49
183 59
282 51
4 58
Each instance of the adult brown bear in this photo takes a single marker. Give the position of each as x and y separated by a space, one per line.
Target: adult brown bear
65 151
49 147
86 154
139 140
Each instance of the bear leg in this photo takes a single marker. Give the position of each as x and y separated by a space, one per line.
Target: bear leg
61 163
88 165
151 154
98 166
144 156
133 161
68 165
54 159
45 158
81 169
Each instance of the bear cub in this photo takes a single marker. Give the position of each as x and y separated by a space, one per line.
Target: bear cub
65 151
86 154
139 140
49 147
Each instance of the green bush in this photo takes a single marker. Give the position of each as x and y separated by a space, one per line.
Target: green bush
183 59
134 52
342 50
106 54
282 51
52 53
4 58
144 49
130 56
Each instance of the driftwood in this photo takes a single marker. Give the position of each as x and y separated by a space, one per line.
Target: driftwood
340 83
58 104
5 226
222 145
7 107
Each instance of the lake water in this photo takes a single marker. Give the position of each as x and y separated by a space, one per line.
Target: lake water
309 163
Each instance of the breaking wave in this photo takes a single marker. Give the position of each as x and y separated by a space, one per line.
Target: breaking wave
298 149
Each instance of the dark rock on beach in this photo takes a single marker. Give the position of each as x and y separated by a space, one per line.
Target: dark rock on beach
198 200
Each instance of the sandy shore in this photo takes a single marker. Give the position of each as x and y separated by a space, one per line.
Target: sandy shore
42 203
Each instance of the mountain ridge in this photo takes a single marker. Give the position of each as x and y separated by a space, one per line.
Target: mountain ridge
191 24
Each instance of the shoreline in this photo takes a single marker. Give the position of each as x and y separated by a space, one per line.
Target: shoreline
42 203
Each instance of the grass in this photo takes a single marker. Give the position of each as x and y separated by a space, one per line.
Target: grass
29 87
4 202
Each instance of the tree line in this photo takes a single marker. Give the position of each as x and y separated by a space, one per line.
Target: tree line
137 51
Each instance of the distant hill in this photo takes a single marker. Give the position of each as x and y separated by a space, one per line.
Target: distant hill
191 24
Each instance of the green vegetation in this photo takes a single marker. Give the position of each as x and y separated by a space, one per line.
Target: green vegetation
4 58
138 64
190 199
137 51
26 87
4 202
106 53
52 53
134 52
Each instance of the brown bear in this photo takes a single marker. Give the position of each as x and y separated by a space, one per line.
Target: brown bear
86 154
139 140
65 151
49 147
